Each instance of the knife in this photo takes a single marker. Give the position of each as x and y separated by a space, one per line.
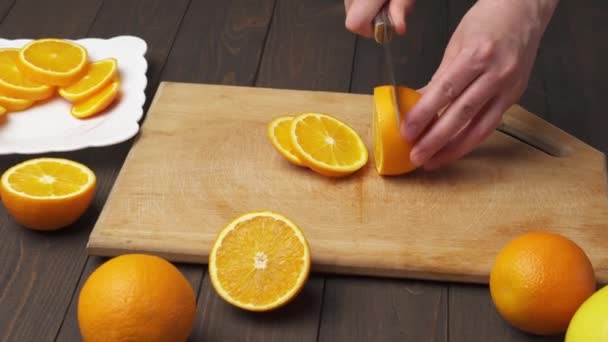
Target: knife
383 34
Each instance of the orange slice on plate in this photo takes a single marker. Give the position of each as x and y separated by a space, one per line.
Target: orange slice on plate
259 261
278 133
97 102
3 111
327 145
13 104
99 75
14 84
51 61
391 150
47 193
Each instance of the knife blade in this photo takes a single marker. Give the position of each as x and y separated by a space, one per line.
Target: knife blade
383 34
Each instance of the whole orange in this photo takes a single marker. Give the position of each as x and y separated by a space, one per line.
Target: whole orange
136 297
539 280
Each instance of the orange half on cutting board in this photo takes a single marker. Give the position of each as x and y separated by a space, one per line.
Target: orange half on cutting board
391 150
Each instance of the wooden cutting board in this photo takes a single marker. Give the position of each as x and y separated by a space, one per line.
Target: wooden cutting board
203 158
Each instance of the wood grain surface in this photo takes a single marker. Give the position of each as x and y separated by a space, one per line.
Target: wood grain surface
364 224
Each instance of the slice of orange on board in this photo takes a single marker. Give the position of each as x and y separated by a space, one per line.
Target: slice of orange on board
391 150
98 76
327 145
278 133
13 82
47 193
259 261
57 62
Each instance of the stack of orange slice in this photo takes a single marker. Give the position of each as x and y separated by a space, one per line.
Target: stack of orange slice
320 142
45 67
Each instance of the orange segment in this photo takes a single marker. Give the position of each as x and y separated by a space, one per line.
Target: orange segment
98 76
53 61
3 111
278 133
327 145
14 84
97 102
391 150
13 104
47 193
260 261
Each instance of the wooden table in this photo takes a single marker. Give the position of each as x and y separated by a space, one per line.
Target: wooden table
299 45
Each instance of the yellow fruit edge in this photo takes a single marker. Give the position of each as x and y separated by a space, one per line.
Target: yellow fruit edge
47 77
63 92
286 298
101 105
7 187
321 167
13 104
274 141
38 92
384 124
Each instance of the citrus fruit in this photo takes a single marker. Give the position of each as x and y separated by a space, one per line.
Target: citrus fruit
590 322
13 104
3 111
539 280
136 297
57 62
259 261
327 145
98 75
391 150
278 133
47 193
14 84
97 102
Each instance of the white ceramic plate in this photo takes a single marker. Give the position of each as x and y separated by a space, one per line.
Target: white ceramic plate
50 127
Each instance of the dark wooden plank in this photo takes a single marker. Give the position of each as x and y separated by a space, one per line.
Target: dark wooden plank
474 318
307 47
40 270
5 7
157 22
366 309
363 309
38 19
223 44
575 70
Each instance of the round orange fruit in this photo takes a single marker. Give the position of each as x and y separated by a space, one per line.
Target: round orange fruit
539 280
136 297
47 193
391 150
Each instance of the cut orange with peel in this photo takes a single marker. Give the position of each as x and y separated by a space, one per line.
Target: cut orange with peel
57 62
3 111
14 84
47 193
278 133
327 145
97 102
98 76
259 261
391 150
13 104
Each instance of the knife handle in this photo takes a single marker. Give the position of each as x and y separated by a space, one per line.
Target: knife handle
383 28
